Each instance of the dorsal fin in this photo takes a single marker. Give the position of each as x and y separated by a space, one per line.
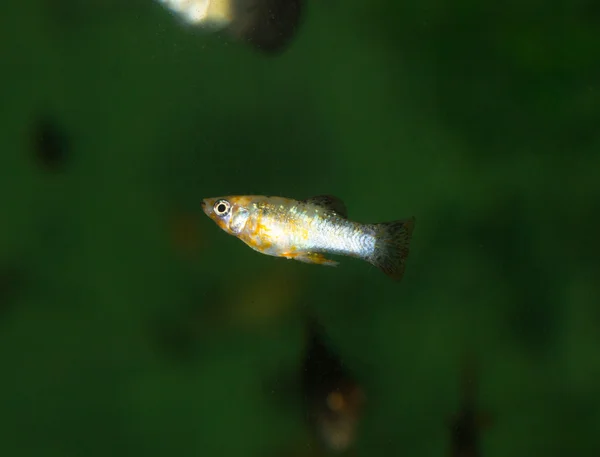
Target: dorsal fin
329 202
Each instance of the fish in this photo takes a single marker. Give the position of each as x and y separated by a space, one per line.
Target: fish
324 390
334 401
468 423
267 25
306 230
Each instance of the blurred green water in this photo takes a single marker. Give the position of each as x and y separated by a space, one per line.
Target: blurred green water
480 121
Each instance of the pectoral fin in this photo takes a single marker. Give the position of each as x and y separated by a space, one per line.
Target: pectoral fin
330 203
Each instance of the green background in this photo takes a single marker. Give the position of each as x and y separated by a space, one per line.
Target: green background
131 325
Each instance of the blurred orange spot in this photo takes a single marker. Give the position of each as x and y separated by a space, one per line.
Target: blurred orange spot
264 296
185 234
335 401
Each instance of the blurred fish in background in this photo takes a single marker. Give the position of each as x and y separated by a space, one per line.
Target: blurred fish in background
267 25
324 392
467 423
333 399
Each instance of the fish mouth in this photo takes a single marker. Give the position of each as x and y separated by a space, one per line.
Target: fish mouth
206 206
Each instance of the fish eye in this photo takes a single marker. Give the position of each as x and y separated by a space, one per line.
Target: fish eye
222 207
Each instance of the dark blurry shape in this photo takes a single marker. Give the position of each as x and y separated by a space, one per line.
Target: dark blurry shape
333 399
267 25
50 143
465 426
10 282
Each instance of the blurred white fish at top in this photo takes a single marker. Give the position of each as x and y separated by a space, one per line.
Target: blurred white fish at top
268 25
210 13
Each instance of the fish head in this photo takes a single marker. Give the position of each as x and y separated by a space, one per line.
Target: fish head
229 213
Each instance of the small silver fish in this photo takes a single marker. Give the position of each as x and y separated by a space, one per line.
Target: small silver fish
305 230
267 25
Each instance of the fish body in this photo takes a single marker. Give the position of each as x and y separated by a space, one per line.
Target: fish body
305 230
268 25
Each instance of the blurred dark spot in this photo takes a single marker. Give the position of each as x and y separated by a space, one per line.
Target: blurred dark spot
269 25
322 369
11 280
466 425
50 144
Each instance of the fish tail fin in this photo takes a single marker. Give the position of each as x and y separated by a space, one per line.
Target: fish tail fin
392 241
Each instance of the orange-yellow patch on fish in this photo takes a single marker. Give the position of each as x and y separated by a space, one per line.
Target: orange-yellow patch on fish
317 258
292 253
304 233
308 257
258 235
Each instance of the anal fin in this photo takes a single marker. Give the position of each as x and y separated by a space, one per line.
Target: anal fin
315 258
